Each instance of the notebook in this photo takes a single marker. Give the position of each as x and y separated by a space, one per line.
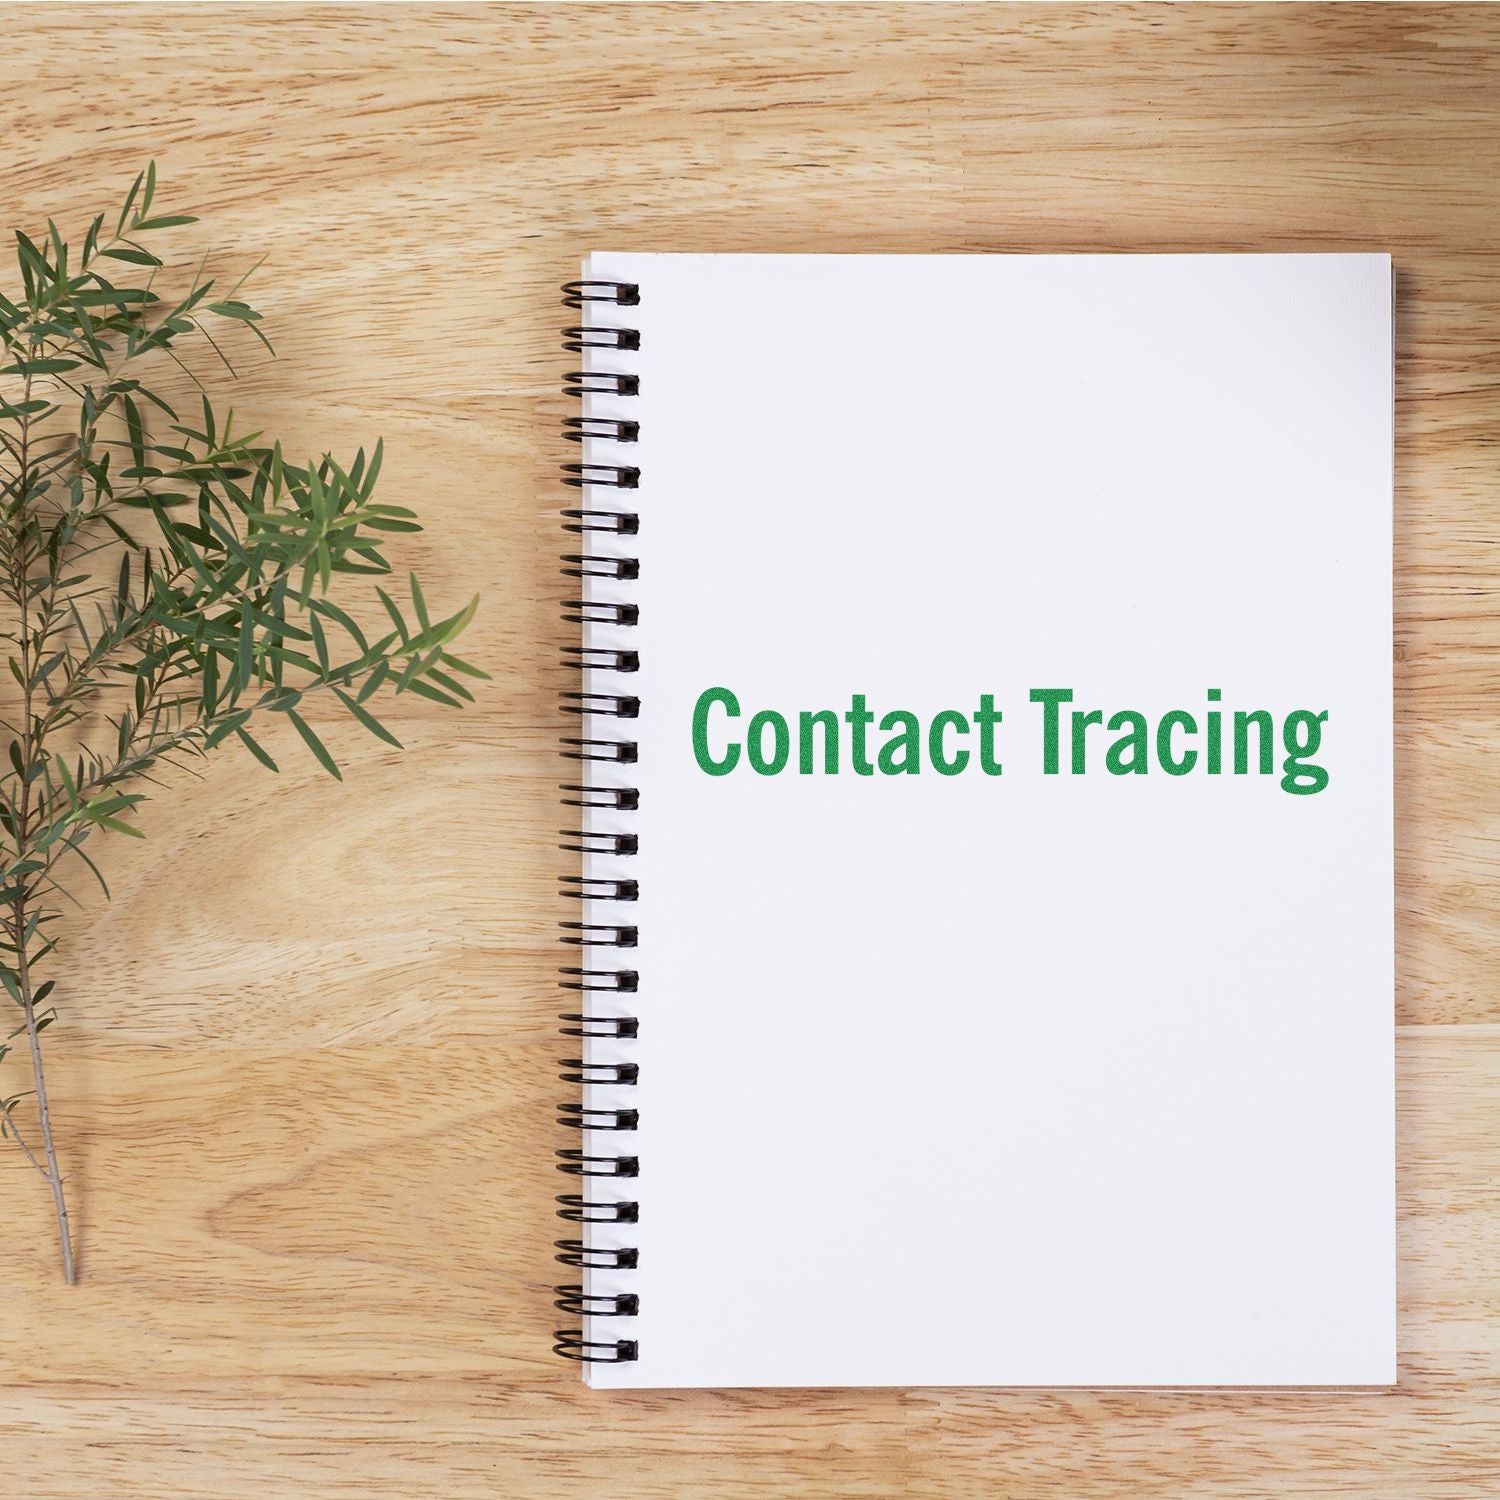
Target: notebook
978 918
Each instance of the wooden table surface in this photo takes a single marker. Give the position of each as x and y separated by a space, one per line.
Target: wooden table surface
309 1147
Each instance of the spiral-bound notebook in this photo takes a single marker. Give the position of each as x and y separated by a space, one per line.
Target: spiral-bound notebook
981 941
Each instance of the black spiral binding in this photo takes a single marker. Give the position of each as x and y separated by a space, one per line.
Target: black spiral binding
599 967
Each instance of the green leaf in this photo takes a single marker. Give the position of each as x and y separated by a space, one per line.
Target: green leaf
40 367
132 254
449 684
426 690
318 748
380 672
240 312
130 197
320 642
257 751
109 296
327 607
419 603
395 614
225 727
59 251
77 847
11 410
368 719
35 272
68 783
373 472
445 630
468 669
378 522
137 432
115 825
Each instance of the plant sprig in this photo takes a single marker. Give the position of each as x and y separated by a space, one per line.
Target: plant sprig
165 582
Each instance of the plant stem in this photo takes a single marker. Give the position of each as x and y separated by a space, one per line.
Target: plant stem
53 1172
29 750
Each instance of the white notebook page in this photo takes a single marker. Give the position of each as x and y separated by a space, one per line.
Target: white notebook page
1016 1079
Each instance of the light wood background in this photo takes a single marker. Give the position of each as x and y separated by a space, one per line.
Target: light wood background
309 1144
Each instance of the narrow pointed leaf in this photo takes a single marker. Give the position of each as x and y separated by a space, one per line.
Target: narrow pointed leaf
257 750
313 743
368 719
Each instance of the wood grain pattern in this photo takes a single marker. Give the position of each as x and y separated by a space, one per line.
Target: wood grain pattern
309 1151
